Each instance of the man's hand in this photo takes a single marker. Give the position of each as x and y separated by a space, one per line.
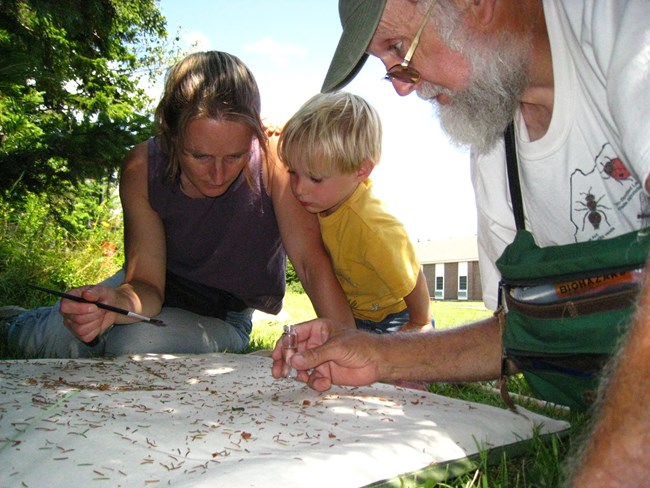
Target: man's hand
331 354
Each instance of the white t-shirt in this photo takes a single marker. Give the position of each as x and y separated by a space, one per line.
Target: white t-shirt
583 180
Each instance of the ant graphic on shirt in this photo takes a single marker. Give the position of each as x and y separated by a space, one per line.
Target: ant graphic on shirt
594 210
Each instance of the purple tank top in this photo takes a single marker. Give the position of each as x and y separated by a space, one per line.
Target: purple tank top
231 242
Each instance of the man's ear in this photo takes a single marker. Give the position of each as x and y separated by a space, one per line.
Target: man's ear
482 11
363 173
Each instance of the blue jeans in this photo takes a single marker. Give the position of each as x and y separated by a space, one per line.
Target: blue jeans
392 323
40 333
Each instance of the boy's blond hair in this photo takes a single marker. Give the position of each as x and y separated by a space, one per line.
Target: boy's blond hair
331 132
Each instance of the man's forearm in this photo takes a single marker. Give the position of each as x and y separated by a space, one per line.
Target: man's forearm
467 353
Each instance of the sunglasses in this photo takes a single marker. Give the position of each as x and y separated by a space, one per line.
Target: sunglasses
403 72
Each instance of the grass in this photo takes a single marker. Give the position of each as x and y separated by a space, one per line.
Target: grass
297 308
267 329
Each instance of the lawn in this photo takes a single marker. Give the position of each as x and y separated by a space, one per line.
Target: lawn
297 308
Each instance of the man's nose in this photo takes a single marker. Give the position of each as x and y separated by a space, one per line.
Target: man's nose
402 88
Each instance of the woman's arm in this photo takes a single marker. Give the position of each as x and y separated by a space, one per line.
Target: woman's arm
302 240
143 290
144 239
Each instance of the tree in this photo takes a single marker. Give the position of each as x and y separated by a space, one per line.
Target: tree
71 95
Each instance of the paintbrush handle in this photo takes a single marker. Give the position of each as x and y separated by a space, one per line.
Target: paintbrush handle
105 306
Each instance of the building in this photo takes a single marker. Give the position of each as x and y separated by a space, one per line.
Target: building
451 268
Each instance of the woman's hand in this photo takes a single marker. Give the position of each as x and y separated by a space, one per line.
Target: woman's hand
85 320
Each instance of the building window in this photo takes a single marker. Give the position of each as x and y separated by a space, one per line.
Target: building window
439 292
462 281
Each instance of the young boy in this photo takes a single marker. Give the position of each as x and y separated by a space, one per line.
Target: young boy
330 147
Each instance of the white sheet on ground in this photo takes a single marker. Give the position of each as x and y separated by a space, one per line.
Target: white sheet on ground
222 420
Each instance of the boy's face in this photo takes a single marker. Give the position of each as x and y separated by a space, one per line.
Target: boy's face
323 194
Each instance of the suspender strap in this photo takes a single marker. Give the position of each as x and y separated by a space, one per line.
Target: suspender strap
513 176
518 211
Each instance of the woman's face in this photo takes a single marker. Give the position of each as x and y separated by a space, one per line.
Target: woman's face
214 154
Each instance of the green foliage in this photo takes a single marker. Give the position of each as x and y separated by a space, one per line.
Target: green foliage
71 87
60 243
293 282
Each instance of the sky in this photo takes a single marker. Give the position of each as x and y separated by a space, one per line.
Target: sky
288 44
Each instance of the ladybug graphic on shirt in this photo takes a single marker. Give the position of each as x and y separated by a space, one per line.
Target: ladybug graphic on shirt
614 168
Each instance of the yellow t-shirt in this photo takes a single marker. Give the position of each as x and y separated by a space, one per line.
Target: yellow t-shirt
372 255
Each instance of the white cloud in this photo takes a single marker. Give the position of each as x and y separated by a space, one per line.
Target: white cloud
280 54
197 40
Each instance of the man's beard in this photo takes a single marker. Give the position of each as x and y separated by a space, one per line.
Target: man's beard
477 115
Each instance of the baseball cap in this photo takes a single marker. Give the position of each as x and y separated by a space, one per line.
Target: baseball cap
359 19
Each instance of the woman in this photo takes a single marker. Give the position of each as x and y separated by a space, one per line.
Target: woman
208 214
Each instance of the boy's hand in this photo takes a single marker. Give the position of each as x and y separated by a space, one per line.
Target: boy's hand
411 327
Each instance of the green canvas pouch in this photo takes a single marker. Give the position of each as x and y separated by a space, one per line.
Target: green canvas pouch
560 339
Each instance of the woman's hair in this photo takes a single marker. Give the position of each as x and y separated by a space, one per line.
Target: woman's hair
331 132
211 84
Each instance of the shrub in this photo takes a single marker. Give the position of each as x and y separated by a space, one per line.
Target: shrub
60 243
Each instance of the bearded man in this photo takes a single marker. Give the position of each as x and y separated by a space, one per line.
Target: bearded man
573 76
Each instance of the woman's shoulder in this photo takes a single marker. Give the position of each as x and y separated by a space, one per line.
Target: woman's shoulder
134 168
137 155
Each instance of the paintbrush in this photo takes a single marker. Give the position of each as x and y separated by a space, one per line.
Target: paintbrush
119 310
